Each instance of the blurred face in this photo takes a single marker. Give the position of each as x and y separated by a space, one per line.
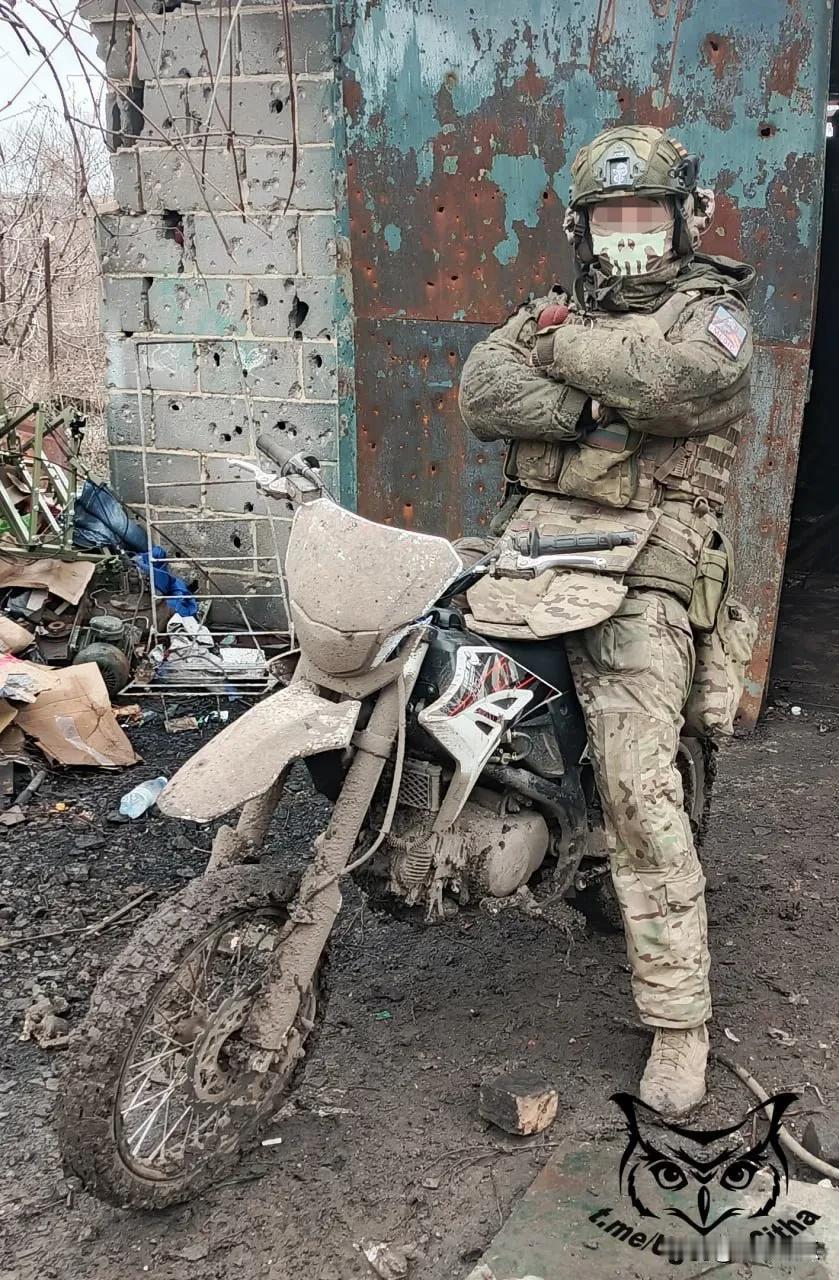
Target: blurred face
631 236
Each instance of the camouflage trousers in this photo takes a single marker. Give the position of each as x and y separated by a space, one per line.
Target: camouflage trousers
633 673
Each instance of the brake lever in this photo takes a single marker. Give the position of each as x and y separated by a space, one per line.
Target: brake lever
268 482
292 486
509 565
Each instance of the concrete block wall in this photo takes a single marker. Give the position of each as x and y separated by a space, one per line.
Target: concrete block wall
218 290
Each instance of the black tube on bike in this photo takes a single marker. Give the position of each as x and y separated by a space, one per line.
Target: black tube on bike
535 544
277 453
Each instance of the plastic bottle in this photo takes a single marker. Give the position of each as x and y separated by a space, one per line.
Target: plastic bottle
141 798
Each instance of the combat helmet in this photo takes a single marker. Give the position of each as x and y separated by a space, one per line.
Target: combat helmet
632 160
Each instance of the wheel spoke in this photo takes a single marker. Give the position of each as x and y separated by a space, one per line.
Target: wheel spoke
188 1078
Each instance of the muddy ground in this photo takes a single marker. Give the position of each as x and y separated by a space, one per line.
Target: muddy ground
390 1102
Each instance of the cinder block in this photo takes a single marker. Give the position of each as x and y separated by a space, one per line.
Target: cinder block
277 525
113 45
163 366
230 488
165 116
258 245
103 10
263 42
317 234
210 537
168 366
192 179
124 304
176 476
263 614
316 110
172 47
293 307
121 367
269 178
320 371
128 191
205 308
300 425
520 1103
122 417
138 245
205 424
258 368
255 110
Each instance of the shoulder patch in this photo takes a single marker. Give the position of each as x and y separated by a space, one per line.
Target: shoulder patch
727 330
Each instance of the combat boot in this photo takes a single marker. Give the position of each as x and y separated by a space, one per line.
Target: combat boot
674 1077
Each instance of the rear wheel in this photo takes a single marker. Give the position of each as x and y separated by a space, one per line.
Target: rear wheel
161 1091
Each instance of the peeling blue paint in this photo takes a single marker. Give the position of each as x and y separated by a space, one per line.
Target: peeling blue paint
405 56
393 237
522 179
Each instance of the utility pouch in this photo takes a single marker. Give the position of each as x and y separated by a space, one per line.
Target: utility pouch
711 584
722 656
536 463
603 467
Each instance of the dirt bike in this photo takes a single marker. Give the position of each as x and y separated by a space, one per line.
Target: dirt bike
457 768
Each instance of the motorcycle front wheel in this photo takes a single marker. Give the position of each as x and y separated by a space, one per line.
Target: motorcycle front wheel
160 1094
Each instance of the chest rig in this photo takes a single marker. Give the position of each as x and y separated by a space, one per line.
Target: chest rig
615 465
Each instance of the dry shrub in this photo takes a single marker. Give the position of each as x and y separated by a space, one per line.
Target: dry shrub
44 194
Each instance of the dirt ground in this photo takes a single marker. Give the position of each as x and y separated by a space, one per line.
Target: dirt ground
385 1140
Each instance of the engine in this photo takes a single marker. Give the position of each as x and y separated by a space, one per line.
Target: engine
492 848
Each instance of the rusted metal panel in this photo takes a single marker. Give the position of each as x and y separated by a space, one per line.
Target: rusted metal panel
461 124
413 453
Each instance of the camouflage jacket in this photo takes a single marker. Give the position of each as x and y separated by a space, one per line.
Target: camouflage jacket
625 410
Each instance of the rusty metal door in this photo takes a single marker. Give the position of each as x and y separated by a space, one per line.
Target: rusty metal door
461 124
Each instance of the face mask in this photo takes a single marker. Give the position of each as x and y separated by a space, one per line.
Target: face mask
632 237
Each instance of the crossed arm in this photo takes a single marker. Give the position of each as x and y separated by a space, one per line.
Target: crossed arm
672 386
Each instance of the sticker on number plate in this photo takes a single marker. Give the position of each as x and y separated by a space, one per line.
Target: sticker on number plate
728 330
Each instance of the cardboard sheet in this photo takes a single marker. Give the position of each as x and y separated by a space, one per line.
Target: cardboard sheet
13 637
73 724
67 579
36 677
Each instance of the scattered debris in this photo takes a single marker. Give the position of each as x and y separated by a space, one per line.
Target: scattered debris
140 799
82 931
189 724
271 1142
783 1037
43 1022
389 1261
520 1103
729 1035
73 723
821 1137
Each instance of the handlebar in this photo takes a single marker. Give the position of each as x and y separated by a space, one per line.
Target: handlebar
535 544
289 461
275 452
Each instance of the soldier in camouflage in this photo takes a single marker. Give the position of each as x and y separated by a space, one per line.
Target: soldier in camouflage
622 404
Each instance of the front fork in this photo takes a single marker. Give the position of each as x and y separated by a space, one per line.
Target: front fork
318 901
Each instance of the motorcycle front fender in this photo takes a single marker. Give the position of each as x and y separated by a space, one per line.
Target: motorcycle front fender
247 757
